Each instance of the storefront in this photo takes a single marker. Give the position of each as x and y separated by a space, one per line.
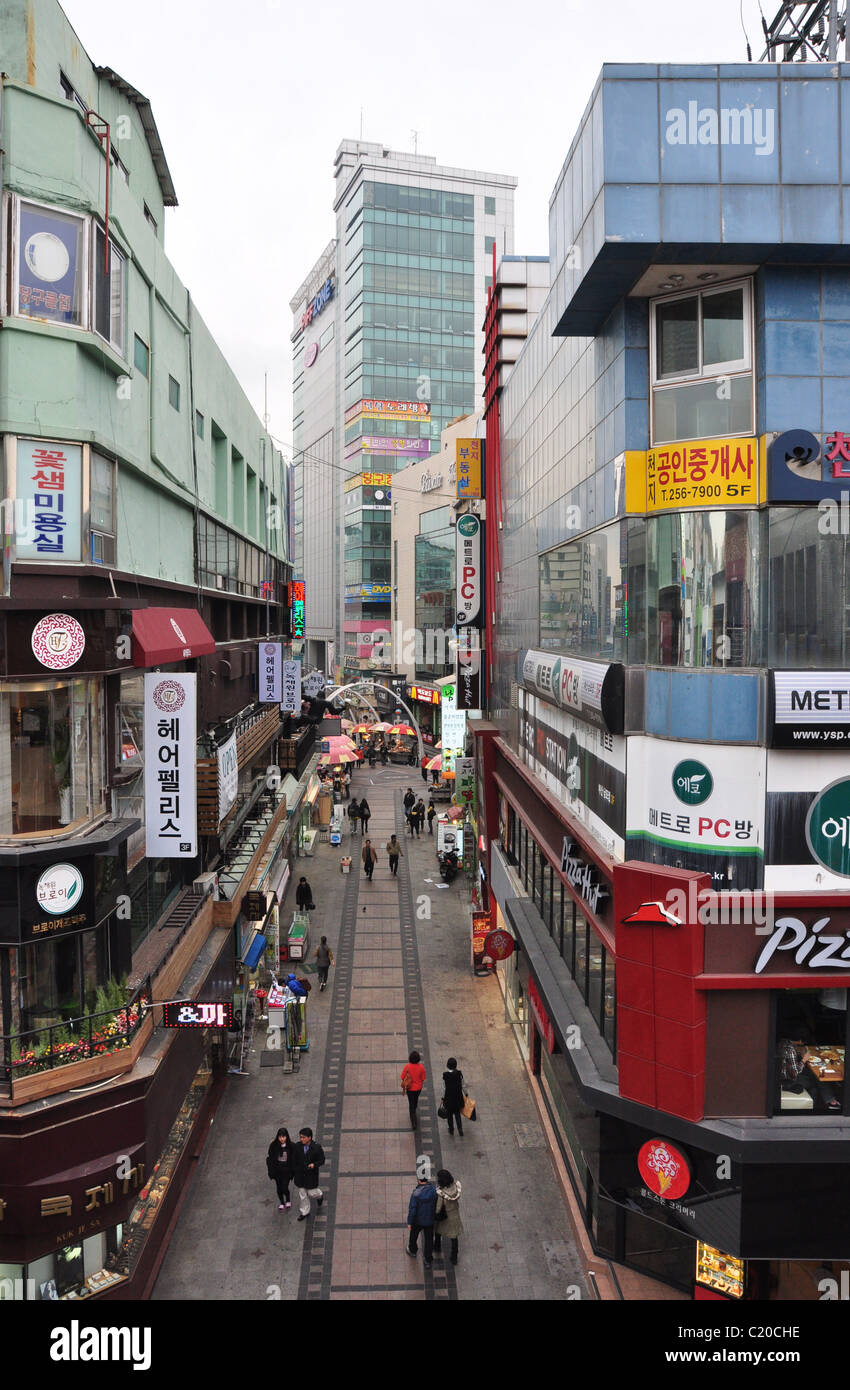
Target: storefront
425 702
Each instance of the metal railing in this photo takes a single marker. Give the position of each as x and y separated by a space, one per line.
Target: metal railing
74 1040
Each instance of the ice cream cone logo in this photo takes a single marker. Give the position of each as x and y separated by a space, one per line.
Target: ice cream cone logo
664 1169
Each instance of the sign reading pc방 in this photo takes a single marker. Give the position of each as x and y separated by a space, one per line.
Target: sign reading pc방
468 560
171 827
587 690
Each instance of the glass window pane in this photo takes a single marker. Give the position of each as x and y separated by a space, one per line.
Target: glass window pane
698 412
102 505
595 957
580 963
677 337
723 326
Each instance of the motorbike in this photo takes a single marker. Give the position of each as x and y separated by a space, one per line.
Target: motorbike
448 865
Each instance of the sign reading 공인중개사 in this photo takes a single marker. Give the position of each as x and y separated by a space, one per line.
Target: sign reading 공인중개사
701 473
170 780
269 673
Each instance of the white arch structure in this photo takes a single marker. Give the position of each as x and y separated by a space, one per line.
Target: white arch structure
375 685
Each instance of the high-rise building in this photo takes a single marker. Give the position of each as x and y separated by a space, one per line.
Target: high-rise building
386 344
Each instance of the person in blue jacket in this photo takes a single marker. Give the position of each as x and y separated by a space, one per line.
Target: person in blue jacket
420 1217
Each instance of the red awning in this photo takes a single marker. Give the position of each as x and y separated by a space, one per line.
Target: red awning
163 635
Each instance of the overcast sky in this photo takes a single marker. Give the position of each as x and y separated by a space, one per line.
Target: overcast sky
252 99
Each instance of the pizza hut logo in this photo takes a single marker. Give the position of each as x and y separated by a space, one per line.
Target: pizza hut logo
169 696
664 1169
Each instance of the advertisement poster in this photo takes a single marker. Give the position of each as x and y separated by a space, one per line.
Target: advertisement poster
291 703
49 506
796 781
453 735
702 473
228 775
810 709
584 767
171 830
269 662
51 265
698 807
587 689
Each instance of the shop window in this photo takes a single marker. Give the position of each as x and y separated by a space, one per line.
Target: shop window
51 275
807 566
701 355
609 1015
568 935
51 755
810 1039
69 1269
109 291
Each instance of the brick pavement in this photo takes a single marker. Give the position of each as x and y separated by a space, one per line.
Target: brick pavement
402 979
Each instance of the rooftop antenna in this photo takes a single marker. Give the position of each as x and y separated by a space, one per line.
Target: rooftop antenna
414 135
806 32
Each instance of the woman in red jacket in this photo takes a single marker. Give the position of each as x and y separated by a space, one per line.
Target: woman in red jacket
412 1081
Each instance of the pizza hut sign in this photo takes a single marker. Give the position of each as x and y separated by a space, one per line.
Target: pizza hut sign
582 876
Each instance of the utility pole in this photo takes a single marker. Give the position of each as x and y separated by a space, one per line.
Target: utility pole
807 31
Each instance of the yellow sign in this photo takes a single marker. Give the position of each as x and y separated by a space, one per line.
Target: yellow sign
700 473
369 480
468 467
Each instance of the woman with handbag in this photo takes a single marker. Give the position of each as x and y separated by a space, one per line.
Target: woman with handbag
453 1096
447 1220
304 896
279 1166
412 1080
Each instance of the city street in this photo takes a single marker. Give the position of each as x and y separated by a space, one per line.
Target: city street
400 981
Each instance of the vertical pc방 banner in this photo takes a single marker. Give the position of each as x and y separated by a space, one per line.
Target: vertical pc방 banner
269 673
468 570
291 702
171 830
228 776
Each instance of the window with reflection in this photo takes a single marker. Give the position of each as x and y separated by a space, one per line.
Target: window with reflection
51 754
592 594
808 572
703 589
702 364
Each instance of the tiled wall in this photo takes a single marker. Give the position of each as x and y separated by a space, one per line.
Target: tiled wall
803 348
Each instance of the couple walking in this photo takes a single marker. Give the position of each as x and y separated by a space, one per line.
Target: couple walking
435 1211
413 1077
299 1163
359 812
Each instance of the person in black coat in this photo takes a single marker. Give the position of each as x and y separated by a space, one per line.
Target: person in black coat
307 1159
303 895
365 813
279 1166
453 1096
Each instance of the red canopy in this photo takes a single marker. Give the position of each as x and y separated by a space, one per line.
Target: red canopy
164 635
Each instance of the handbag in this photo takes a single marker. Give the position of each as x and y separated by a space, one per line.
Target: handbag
405 1081
468 1107
442 1112
441 1215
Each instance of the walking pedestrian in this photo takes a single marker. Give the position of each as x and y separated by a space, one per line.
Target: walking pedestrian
394 852
412 822
304 895
324 961
354 814
370 858
279 1166
371 757
307 1159
365 813
346 785
420 1217
453 1096
431 813
412 1080
411 757
409 800
424 770
448 1201
420 815
384 755
435 775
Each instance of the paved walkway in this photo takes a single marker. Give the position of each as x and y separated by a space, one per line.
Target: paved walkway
402 980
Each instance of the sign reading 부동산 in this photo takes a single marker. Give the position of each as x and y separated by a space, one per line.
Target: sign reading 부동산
171 830
811 709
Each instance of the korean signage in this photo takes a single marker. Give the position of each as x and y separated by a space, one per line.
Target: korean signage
697 808
318 302
297 594
50 265
465 783
424 695
369 480
468 569
291 702
811 709
383 444
193 1015
170 748
828 827
54 901
394 410
582 766
453 723
269 658
586 689
804 467
468 467
228 775
49 490
702 473
665 1169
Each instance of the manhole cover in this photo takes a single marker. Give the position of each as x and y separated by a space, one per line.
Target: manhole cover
529 1136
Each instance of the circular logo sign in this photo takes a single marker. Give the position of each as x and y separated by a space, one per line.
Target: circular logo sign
828 827
47 257
692 782
664 1169
58 641
59 889
311 354
498 945
468 525
169 696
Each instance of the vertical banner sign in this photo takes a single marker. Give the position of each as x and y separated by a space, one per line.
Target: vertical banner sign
291 703
171 830
468 467
228 775
296 609
465 782
468 671
269 673
468 570
49 504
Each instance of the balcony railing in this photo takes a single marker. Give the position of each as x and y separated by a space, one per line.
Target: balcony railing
93 1035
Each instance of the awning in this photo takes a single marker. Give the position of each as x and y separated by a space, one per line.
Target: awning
163 635
255 950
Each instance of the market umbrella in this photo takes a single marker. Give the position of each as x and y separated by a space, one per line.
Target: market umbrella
455 813
434 764
380 728
345 755
362 729
346 725
398 729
